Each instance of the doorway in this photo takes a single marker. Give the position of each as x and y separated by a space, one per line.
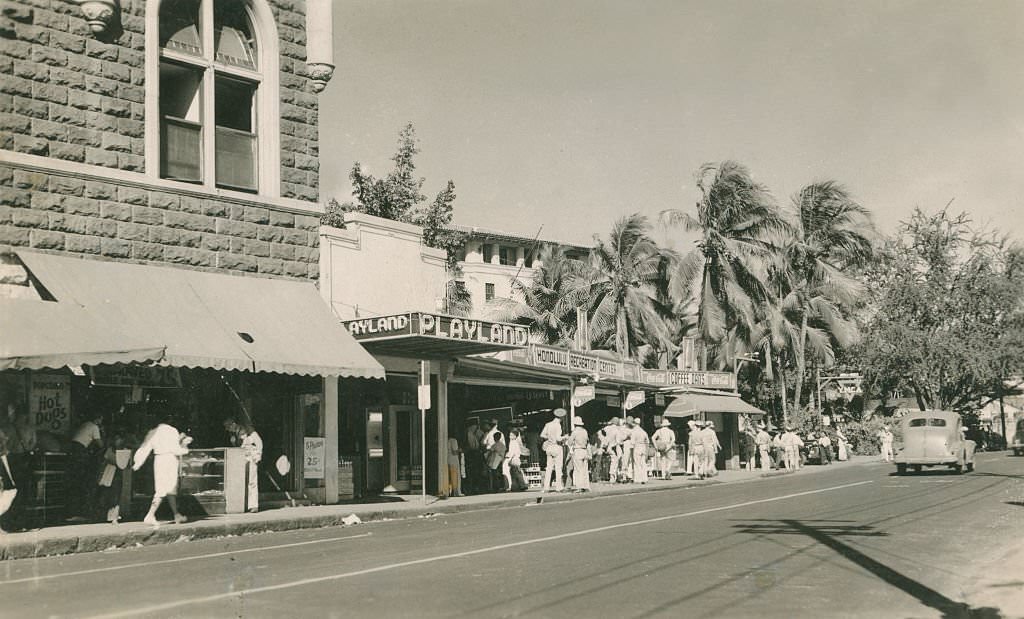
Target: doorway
403 430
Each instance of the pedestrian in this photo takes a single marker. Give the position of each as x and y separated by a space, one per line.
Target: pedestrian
709 438
641 447
167 446
763 442
513 462
579 443
233 431
843 455
885 437
8 491
695 449
749 444
825 449
454 467
473 456
552 446
627 451
111 478
21 445
86 446
252 447
665 443
791 443
495 454
613 447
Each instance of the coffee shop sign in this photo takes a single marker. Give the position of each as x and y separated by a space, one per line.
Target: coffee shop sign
438 325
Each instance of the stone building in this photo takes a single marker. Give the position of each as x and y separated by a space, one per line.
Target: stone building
167 143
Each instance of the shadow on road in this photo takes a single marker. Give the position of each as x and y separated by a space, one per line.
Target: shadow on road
828 532
990 474
1017 503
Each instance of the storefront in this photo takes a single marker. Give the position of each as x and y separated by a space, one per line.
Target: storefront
727 410
129 342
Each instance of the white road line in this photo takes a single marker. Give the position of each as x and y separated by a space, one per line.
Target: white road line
114 568
156 608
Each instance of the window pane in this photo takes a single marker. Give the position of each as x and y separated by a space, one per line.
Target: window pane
938 423
917 423
505 255
236 137
179 26
488 292
234 43
180 122
488 251
180 90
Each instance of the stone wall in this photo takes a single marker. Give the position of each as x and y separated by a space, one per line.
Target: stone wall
45 210
65 94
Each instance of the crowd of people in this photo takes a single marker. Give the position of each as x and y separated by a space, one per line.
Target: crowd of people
570 457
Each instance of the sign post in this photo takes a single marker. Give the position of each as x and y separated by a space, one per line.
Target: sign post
423 395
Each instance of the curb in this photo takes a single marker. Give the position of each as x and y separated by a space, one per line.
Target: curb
168 534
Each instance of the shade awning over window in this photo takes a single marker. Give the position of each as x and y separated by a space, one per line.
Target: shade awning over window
690 404
209 320
40 334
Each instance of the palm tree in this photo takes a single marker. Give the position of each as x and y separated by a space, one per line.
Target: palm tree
832 233
725 274
623 279
548 302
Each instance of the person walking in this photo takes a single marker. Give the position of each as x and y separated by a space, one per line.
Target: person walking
111 478
613 446
843 455
641 445
81 472
473 456
552 446
885 437
8 491
627 451
791 443
454 463
252 447
167 446
579 443
763 441
695 449
495 454
513 462
825 449
709 438
665 443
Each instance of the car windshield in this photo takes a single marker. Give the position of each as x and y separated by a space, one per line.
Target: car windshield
917 423
938 423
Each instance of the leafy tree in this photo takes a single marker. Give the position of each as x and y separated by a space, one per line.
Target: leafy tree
946 315
624 275
399 197
725 274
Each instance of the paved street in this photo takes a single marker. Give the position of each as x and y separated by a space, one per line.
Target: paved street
849 542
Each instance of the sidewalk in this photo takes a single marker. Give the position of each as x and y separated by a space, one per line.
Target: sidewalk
75 538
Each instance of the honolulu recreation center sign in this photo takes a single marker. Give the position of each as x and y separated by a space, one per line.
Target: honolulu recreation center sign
439 326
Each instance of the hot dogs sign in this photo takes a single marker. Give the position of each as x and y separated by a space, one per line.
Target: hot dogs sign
440 326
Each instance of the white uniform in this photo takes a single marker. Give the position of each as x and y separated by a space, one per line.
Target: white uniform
164 442
552 436
252 446
665 441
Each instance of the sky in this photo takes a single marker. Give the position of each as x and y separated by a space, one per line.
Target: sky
572 114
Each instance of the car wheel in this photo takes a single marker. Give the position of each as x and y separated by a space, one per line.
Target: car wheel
901 469
970 467
958 469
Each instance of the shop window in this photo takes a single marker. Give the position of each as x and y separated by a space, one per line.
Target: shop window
488 291
210 89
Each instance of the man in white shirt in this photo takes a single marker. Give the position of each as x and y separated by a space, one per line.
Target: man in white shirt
579 443
613 448
791 444
82 468
695 449
763 442
626 438
665 443
825 449
552 446
709 438
640 444
885 437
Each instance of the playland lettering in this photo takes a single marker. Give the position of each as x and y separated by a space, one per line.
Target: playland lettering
474 330
384 325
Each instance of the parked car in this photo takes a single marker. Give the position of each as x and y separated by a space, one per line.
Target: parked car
934 438
1017 440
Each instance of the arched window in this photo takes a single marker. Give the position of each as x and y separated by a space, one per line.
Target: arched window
215 94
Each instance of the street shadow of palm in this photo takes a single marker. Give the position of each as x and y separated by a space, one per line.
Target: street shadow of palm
829 533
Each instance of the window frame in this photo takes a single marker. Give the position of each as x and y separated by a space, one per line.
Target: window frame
490 291
266 104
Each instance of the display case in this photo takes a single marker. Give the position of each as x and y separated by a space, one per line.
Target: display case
212 481
45 500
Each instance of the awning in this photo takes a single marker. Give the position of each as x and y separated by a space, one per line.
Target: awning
209 320
42 334
689 404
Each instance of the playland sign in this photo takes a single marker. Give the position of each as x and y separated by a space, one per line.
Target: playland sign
439 326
